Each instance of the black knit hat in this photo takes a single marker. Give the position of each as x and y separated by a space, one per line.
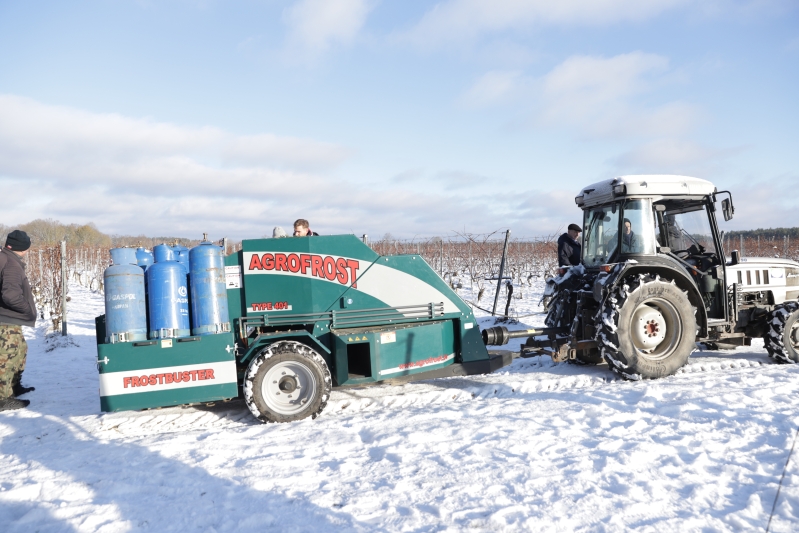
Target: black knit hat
575 227
18 241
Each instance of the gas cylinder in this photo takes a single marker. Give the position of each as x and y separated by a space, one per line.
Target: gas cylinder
144 258
209 309
182 256
125 304
168 296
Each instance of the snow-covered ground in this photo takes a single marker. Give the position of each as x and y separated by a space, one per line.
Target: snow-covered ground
535 447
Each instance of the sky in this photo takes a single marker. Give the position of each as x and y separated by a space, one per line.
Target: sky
414 118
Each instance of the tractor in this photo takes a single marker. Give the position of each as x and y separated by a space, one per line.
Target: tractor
654 280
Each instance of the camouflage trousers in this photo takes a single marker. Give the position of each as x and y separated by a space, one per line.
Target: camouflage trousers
13 350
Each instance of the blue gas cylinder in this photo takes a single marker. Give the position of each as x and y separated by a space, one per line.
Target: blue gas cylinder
168 296
123 256
209 309
144 258
162 252
125 304
182 256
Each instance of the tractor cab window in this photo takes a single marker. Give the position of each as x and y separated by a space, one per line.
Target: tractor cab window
638 228
600 240
687 231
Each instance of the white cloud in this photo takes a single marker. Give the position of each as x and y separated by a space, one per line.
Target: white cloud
598 97
492 87
314 26
459 20
672 155
592 97
134 176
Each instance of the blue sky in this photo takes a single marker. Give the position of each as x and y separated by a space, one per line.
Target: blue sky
411 118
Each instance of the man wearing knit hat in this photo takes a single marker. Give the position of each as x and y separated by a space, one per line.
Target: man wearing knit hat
17 309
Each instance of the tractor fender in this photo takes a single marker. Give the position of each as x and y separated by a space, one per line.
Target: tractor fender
299 336
680 278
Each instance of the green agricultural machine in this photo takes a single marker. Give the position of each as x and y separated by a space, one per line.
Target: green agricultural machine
306 315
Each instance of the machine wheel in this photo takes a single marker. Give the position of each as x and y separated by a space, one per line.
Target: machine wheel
287 381
782 337
594 357
646 328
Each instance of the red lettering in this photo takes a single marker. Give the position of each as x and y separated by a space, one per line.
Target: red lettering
193 375
134 381
126 382
168 378
280 262
353 265
268 261
341 269
201 374
186 376
177 377
160 379
143 381
330 268
153 380
209 373
305 262
318 268
294 263
255 263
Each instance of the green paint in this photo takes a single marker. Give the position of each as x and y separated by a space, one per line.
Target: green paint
125 356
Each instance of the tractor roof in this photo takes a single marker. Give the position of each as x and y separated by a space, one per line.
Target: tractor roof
653 186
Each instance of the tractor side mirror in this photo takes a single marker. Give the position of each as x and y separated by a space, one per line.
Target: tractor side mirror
727 209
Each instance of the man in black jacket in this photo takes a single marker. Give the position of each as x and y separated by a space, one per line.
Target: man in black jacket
568 247
17 309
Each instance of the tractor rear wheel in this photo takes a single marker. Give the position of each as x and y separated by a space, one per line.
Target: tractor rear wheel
287 381
646 328
782 336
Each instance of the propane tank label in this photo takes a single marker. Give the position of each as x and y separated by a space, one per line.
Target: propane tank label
167 378
332 268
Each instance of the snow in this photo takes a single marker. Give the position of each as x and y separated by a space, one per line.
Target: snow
536 446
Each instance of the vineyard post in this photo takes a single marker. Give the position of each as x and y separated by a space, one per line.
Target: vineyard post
501 271
63 288
441 258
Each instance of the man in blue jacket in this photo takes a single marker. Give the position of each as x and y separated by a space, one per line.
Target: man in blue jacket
17 309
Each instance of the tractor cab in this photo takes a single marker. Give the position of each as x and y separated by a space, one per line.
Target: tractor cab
665 222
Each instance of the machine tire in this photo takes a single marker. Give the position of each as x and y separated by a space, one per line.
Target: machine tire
291 366
782 337
667 336
590 359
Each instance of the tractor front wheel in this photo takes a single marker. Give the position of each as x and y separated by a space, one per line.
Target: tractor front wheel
646 328
287 381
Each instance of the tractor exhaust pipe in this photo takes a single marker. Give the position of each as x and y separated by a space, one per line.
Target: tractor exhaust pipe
499 335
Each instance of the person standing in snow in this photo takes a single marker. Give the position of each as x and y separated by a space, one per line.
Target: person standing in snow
568 247
17 309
